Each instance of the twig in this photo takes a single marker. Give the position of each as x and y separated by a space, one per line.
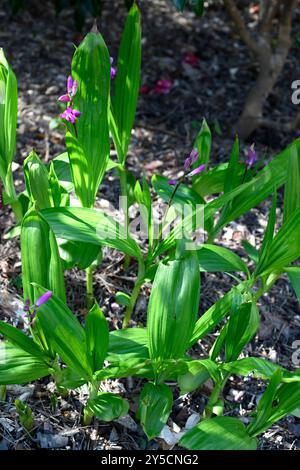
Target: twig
240 24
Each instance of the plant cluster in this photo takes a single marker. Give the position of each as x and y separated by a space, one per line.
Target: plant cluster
57 235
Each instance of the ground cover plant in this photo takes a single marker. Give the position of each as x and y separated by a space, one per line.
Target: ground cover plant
60 228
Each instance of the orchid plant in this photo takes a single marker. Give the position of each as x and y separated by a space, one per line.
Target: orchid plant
63 234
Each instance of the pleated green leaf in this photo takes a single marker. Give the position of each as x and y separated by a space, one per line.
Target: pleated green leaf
210 319
294 277
242 326
203 145
18 366
40 258
37 181
131 343
199 371
292 185
8 120
20 340
127 80
90 226
64 333
154 408
285 247
107 406
214 258
220 433
261 368
88 147
97 337
173 307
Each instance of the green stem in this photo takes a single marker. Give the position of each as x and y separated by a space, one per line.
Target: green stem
123 185
215 396
134 295
89 287
2 393
87 413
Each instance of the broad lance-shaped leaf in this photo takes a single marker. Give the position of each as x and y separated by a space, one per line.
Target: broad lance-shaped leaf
220 433
261 368
37 181
90 226
20 340
173 307
64 333
8 123
18 366
214 258
127 81
155 407
88 147
40 258
210 319
97 337
107 406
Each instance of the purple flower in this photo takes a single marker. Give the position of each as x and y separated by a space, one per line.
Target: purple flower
197 170
191 159
27 305
72 86
69 84
113 70
251 156
172 182
43 299
64 98
70 114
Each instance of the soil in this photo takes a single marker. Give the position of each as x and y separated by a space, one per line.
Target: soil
39 46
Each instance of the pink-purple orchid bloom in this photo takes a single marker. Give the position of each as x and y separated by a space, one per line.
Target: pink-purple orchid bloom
251 156
189 161
70 114
33 309
113 70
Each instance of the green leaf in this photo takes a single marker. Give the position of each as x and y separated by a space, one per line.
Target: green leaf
242 326
292 185
251 251
215 313
107 406
127 80
37 181
123 299
203 145
154 408
40 258
62 169
173 307
64 333
19 367
261 368
78 254
284 248
97 337
90 226
131 343
294 277
8 119
214 258
268 236
89 147
212 182
199 371
19 339
220 433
